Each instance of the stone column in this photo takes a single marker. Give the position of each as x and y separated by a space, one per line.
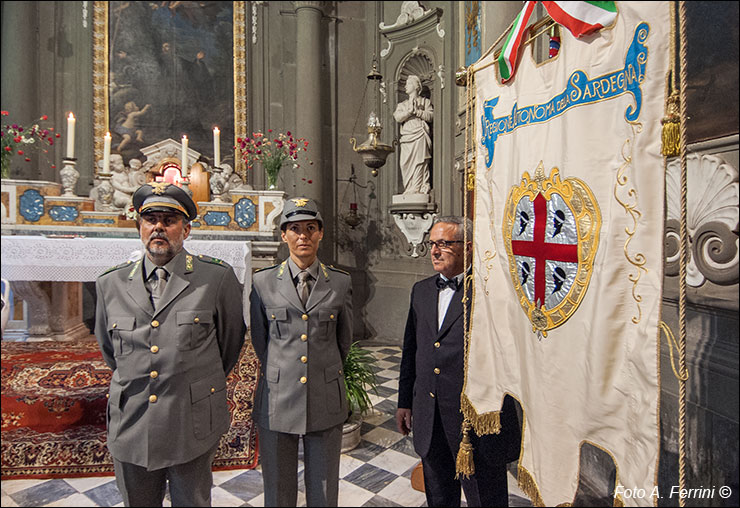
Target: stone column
309 98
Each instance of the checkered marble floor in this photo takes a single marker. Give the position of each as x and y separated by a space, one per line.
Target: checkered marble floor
376 473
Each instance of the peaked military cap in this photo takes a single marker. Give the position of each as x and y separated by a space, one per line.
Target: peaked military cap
164 197
297 209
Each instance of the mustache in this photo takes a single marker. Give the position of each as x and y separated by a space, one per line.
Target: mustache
158 236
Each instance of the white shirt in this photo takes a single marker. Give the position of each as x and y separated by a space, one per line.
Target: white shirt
444 298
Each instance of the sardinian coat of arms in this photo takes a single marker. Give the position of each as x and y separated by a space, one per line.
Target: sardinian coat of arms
551 233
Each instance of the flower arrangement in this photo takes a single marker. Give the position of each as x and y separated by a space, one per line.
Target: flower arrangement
272 153
19 140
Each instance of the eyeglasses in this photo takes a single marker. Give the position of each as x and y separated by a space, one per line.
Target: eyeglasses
442 244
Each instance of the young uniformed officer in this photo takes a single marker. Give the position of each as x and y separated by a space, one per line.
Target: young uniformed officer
301 318
170 326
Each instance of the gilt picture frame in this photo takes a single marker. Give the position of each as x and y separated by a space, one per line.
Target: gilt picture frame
167 69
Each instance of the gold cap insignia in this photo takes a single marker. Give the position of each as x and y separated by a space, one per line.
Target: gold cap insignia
300 201
159 188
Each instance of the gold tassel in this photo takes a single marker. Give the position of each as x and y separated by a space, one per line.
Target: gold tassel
465 465
671 135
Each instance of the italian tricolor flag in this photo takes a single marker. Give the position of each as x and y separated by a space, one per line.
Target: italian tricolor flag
510 51
582 18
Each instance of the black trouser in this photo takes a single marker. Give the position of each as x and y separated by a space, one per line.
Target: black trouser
487 487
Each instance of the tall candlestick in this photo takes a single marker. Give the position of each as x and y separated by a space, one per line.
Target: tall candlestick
106 153
71 136
216 147
184 158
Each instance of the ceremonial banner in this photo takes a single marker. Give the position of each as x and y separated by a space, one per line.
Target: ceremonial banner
568 263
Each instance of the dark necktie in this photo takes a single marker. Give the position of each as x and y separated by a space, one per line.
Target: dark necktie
302 287
441 283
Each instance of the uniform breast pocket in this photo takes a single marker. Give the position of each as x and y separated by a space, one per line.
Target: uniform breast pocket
121 331
193 327
277 318
328 321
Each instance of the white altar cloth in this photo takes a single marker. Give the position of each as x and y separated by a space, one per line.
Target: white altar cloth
38 258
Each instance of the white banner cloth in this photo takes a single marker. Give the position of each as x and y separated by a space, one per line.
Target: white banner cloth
568 253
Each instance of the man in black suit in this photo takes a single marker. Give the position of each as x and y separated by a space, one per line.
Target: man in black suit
431 379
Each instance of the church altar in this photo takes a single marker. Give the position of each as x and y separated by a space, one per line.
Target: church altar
47 272
81 259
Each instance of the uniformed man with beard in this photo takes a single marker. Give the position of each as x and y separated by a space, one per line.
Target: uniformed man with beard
171 327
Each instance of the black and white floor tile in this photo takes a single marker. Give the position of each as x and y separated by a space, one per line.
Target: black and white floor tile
376 473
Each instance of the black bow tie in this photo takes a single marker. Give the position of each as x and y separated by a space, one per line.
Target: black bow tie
441 283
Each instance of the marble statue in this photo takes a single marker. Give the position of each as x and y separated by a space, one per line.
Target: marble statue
122 187
233 180
414 115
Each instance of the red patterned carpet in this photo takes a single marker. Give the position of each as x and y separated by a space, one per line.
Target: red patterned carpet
53 411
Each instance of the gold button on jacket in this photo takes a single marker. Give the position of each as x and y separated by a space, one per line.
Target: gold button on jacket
153 374
154 349
152 399
301 349
155 323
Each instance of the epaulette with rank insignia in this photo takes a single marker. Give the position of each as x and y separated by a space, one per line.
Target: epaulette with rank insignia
213 261
335 269
117 267
267 268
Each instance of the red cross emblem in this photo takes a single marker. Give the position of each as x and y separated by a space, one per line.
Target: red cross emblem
542 250
551 231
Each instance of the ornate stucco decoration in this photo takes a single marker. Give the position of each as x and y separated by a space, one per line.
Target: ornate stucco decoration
712 220
413 21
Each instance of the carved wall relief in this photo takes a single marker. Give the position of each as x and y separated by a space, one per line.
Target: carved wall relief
712 220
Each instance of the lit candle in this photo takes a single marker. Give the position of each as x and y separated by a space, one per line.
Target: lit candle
184 158
106 153
71 136
216 147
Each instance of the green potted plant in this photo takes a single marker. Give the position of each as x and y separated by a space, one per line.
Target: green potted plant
359 378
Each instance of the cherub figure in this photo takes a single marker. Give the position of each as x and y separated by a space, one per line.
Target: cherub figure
127 124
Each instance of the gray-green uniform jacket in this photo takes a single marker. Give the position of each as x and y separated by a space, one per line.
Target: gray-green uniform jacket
167 400
301 350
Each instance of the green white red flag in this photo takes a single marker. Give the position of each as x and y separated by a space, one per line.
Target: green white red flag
582 18
508 58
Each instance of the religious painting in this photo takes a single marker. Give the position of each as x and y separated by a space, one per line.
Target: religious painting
472 32
167 69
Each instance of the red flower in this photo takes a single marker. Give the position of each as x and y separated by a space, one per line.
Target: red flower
44 117
58 135
310 181
8 149
4 113
17 139
28 160
288 133
20 152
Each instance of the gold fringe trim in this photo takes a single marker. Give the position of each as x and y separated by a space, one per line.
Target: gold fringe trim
464 465
487 423
529 486
618 501
671 133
